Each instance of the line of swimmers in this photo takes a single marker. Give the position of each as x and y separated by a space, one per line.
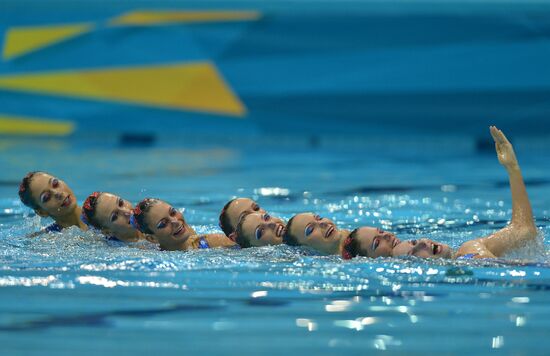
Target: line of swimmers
245 224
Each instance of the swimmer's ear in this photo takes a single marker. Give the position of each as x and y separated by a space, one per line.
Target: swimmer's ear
41 213
233 236
151 239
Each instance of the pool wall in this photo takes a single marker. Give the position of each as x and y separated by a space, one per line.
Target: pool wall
233 67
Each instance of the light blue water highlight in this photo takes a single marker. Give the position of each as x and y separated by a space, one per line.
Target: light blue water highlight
74 292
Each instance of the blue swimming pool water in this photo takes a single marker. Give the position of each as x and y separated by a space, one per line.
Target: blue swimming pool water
74 292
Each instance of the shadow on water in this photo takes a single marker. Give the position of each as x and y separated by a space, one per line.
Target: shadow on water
101 319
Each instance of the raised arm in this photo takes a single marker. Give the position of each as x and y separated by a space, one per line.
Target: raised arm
521 229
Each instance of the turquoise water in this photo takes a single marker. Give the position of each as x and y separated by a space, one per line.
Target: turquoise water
73 292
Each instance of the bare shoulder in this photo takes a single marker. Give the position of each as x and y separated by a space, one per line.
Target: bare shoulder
474 247
219 240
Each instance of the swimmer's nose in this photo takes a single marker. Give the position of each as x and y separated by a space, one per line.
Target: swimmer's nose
323 224
59 195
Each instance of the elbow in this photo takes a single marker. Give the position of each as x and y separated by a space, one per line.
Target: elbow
531 232
527 233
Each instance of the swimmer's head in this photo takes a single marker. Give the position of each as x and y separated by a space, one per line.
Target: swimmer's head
311 230
163 222
369 241
47 195
424 248
259 229
234 210
110 214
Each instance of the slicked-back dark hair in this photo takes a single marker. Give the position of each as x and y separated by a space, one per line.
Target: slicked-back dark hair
288 238
224 223
139 213
25 192
351 246
89 210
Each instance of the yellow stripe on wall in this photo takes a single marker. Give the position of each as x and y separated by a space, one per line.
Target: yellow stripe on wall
19 125
166 17
188 86
24 40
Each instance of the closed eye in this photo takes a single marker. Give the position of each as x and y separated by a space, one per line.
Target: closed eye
255 207
114 216
259 232
266 217
120 202
308 230
172 212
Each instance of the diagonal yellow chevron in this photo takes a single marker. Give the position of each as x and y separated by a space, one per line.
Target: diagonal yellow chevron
188 86
20 125
23 40
166 17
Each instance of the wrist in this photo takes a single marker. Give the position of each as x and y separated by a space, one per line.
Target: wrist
513 167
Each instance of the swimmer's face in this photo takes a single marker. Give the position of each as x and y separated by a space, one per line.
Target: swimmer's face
424 248
113 215
314 231
374 242
240 207
168 225
53 196
261 229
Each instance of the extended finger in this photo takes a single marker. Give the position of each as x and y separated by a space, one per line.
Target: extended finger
499 137
503 137
493 132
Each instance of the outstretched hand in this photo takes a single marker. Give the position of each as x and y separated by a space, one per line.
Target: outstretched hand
505 151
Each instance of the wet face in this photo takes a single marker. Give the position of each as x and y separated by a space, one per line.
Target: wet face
113 215
261 229
168 225
315 231
53 196
424 248
374 242
240 207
